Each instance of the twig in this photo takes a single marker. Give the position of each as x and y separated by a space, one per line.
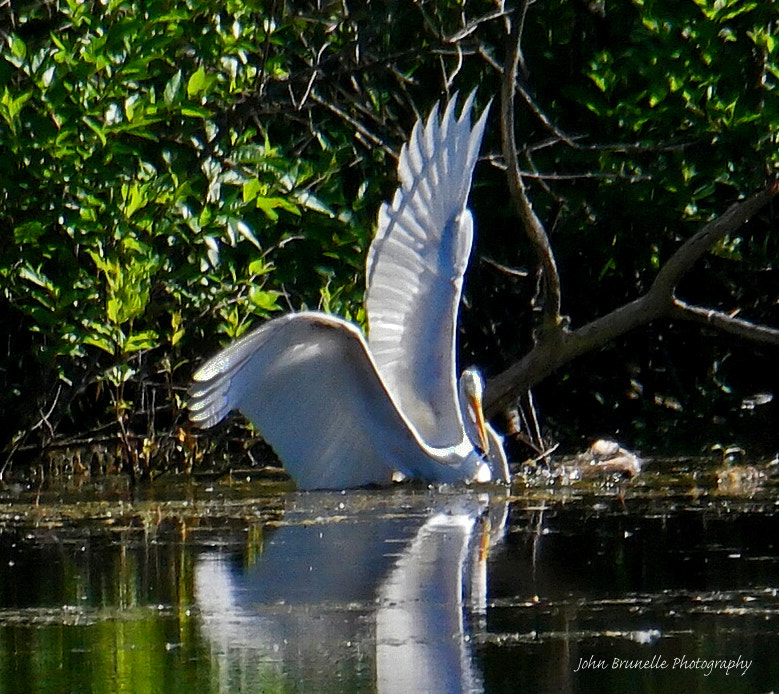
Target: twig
45 417
533 227
369 136
724 322
499 164
266 48
513 272
469 28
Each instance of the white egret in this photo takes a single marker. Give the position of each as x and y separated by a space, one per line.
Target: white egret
342 412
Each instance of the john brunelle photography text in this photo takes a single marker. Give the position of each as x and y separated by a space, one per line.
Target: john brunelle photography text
657 662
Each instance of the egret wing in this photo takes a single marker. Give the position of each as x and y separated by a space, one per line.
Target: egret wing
415 272
307 382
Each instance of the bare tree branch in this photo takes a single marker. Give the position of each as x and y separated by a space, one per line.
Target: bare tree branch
543 118
471 26
369 136
692 249
554 344
533 227
553 348
724 322
498 163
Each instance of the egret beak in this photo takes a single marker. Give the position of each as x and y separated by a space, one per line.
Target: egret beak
481 426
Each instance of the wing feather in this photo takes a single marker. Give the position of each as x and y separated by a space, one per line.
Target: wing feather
415 271
309 385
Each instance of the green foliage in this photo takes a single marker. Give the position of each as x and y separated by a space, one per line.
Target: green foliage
121 180
701 75
173 171
673 111
139 213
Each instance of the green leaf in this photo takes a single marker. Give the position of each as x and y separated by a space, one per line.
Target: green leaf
148 339
195 112
100 262
265 300
18 47
259 267
197 82
172 89
29 232
251 189
243 229
96 129
14 105
36 277
178 330
269 205
101 342
120 373
599 80
136 200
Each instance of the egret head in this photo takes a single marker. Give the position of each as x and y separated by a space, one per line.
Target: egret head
471 390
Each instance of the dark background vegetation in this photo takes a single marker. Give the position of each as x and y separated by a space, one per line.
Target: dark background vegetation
173 172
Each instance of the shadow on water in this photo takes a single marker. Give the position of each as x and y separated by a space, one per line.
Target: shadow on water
241 587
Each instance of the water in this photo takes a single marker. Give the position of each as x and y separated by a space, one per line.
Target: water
242 587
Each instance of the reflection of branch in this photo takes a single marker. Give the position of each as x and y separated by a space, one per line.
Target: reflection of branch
553 348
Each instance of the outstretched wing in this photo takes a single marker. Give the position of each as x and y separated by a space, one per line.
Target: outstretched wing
415 271
308 384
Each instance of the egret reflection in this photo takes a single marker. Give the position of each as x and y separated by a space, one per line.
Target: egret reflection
397 597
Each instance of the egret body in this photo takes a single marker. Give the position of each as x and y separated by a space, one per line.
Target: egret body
342 411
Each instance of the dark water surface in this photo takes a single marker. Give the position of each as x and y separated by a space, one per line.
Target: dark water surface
241 587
